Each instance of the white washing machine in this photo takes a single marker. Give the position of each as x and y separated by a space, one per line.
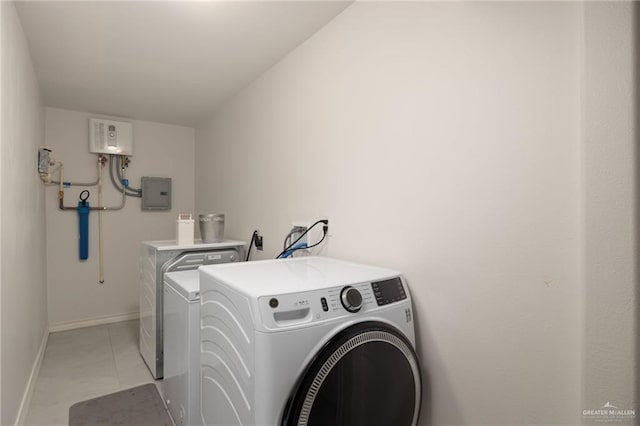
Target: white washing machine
182 346
307 341
157 258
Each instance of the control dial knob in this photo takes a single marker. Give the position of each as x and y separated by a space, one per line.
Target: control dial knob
351 299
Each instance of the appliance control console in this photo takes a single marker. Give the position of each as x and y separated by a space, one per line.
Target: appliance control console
294 309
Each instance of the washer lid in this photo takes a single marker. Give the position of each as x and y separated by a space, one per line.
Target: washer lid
187 283
282 276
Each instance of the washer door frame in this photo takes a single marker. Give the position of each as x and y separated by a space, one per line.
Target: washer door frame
300 402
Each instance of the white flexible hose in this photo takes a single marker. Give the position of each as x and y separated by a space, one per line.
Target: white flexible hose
60 183
100 252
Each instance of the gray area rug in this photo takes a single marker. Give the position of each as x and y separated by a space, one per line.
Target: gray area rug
137 406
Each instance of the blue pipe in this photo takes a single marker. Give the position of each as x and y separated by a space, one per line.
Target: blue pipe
83 228
292 249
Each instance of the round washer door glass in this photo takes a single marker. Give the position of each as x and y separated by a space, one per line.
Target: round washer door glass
367 375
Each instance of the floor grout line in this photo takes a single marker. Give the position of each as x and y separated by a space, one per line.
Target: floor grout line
113 356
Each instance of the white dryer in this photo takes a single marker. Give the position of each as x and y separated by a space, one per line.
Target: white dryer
158 258
307 341
182 346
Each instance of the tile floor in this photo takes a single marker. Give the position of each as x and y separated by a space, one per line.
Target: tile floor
85 363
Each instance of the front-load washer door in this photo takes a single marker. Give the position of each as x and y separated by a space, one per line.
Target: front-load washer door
367 375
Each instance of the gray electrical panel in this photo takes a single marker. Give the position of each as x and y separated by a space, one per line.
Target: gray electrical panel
156 193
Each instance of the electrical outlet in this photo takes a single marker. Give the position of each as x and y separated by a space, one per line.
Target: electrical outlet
325 216
258 242
317 234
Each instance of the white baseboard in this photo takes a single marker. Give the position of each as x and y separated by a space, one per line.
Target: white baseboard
71 325
31 384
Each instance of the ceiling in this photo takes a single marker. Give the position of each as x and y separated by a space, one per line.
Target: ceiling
167 61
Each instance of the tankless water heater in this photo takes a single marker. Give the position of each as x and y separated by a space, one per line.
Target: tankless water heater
110 137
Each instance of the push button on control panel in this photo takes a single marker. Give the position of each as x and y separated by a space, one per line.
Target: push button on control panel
325 306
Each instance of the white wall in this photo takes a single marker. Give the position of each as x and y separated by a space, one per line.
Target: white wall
23 281
441 139
611 197
159 150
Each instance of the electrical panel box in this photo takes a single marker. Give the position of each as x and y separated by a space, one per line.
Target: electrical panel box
110 137
156 193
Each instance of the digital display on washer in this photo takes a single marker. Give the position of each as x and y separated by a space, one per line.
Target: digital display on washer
388 291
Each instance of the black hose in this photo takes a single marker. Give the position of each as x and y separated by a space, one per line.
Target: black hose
253 236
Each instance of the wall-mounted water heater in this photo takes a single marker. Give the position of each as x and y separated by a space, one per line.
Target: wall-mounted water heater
110 137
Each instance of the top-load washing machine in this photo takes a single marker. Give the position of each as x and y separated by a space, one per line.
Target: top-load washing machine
157 258
307 341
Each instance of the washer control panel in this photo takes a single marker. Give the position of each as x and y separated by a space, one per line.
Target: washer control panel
294 309
349 299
